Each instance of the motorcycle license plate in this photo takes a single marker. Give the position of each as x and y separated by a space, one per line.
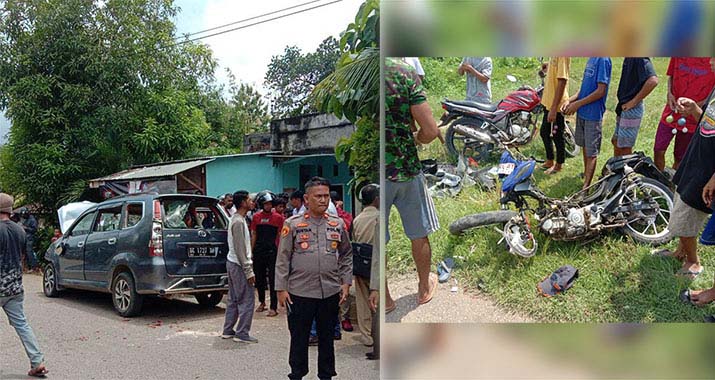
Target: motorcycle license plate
506 168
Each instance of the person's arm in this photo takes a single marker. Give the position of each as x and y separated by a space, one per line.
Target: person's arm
688 107
598 93
345 264
471 70
253 234
282 270
709 191
238 232
428 127
647 88
670 98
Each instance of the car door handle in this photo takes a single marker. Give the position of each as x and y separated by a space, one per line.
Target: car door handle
80 244
112 241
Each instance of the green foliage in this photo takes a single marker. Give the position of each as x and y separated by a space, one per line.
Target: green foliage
292 76
94 87
352 91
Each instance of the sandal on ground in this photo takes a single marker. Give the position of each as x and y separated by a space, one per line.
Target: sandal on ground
444 269
433 281
272 313
686 298
261 308
692 275
545 167
39 371
664 253
552 170
390 309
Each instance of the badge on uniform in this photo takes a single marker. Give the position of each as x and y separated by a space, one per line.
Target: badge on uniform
304 237
335 236
333 223
302 225
304 245
334 245
285 231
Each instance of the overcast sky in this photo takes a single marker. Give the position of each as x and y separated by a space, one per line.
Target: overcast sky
247 52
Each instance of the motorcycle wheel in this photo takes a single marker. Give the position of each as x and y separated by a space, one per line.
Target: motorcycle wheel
456 145
518 238
653 229
480 219
572 150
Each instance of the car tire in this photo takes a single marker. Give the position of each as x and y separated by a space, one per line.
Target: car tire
127 302
49 281
209 299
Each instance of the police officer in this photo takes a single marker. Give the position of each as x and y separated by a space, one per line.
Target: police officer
313 277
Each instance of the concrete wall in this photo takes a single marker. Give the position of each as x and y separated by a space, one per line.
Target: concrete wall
309 134
251 173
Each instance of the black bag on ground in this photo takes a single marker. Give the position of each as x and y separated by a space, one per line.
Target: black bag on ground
362 259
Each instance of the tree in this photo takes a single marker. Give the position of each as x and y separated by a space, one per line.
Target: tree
231 119
92 87
292 76
352 91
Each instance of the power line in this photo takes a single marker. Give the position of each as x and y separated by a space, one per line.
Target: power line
256 23
246 19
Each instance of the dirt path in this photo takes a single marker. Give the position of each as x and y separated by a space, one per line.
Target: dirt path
446 306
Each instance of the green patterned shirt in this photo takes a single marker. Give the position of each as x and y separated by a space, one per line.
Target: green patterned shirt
403 88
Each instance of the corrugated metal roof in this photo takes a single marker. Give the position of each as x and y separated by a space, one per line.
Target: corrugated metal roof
162 170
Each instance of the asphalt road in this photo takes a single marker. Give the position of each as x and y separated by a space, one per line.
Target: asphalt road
83 338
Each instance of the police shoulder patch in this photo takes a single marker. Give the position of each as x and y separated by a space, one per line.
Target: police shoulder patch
285 231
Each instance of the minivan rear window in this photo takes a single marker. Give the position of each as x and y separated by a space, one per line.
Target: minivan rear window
192 214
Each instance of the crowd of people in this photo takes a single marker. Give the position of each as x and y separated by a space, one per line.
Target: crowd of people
303 256
688 116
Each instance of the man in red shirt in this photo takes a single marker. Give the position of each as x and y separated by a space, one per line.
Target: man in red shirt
264 242
688 78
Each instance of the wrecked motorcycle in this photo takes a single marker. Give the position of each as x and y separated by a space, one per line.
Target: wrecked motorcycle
631 195
475 129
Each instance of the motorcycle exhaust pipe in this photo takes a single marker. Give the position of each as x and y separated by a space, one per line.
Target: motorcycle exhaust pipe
475 134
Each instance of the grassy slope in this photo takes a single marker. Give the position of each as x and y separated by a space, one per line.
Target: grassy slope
619 280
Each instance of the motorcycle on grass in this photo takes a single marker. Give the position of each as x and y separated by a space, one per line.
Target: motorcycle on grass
632 196
475 129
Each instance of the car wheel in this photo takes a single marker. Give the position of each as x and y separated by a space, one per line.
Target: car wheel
49 281
126 300
210 299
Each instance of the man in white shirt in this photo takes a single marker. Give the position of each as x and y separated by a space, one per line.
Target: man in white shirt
241 279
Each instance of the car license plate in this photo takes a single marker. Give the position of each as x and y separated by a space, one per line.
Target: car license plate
201 251
505 168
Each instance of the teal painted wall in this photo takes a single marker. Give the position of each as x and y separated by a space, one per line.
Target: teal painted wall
251 173
256 173
291 174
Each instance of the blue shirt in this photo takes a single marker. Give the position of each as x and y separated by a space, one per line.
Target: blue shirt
598 70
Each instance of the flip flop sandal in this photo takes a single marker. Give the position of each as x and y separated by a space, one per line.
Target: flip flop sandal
664 253
40 371
551 171
391 309
260 309
433 281
689 274
444 269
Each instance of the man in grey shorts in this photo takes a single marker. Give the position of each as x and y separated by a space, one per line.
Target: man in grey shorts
638 79
695 186
589 105
405 103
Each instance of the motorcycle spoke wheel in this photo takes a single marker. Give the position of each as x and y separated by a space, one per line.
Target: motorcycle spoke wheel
650 224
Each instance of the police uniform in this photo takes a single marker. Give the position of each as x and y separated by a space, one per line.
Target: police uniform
314 260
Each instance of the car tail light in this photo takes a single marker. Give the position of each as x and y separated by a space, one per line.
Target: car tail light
156 243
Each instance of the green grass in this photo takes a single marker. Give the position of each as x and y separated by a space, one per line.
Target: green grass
619 280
